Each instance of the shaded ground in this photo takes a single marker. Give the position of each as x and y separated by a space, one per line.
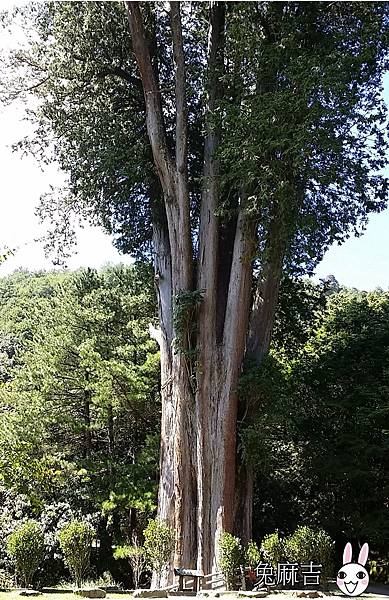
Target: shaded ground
64 596
379 589
374 592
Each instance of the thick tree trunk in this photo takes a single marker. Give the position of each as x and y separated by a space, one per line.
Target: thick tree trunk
198 433
258 343
199 376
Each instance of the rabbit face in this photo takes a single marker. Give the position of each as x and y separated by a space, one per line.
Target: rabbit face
352 578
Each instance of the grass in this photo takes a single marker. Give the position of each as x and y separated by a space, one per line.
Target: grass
15 596
112 596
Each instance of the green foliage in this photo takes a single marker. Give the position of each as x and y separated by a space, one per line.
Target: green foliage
105 580
231 557
158 545
136 556
273 548
302 119
75 540
294 114
6 581
323 419
300 545
252 554
81 389
26 547
301 305
379 571
185 307
306 544
343 377
303 131
15 510
324 551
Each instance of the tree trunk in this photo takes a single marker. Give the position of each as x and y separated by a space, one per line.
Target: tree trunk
202 356
258 343
87 423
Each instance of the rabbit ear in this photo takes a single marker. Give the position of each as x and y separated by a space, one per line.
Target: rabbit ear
363 554
347 553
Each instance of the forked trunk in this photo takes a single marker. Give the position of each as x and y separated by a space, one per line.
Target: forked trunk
201 362
198 445
197 485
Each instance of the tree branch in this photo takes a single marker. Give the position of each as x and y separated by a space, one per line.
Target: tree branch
208 242
154 116
238 299
180 90
180 219
266 294
173 182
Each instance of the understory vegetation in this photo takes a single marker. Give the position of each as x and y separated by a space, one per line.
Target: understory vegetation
224 147
79 431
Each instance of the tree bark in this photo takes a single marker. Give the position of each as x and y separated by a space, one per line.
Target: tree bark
209 354
258 343
199 380
87 423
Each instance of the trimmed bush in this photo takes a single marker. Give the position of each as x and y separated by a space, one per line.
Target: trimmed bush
324 552
307 544
300 545
136 556
253 555
158 546
231 557
273 549
26 548
75 540
6 581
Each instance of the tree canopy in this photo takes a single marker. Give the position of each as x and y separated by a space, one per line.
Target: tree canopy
231 143
80 397
300 110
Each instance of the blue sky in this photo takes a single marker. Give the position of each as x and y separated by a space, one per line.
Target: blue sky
360 262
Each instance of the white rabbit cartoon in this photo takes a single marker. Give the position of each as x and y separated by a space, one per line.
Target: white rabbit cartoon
353 579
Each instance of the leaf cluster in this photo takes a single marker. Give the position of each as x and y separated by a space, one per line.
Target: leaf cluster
300 113
26 547
75 540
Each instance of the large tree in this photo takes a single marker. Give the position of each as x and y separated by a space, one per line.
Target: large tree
231 142
320 446
79 404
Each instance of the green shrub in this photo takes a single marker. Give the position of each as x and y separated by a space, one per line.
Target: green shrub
307 544
253 555
273 549
136 556
6 581
324 552
379 571
300 545
75 540
159 545
105 580
231 557
26 547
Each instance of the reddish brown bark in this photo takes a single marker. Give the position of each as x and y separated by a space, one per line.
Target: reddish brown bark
197 492
263 309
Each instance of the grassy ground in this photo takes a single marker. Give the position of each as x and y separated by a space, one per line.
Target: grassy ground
375 593
15 596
